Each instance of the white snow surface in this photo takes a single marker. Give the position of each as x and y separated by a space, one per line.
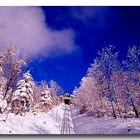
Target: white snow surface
41 123
84 124
51 123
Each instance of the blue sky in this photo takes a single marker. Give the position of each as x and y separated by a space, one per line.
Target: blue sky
93 28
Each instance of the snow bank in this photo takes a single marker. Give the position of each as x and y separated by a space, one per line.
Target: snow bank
39 123
84 124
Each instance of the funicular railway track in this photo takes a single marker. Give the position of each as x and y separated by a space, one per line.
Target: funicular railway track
67 123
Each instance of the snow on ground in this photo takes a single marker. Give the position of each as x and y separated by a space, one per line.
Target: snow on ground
84 124
42 123
51 123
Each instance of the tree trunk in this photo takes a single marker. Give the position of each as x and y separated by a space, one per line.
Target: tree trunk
117 102
114 114
113 109
134 108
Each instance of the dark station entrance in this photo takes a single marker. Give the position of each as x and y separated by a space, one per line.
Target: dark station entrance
67 99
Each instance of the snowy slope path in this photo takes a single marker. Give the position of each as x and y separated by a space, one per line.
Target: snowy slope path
67 125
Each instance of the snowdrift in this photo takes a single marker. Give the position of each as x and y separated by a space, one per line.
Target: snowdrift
33 123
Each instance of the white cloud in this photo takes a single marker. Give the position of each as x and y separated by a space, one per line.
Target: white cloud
26 28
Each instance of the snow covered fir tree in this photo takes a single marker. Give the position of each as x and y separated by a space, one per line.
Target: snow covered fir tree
46 99
23 97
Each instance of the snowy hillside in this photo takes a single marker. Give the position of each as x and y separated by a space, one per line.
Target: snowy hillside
84 124
39 123
72 123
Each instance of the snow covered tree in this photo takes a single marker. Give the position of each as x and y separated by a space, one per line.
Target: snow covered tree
102 70
3 82
87 98
95 73
119 88
11 64
131 80
37 90
55 91
80 99
46 99
133 63
114 88
23 97
55 88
